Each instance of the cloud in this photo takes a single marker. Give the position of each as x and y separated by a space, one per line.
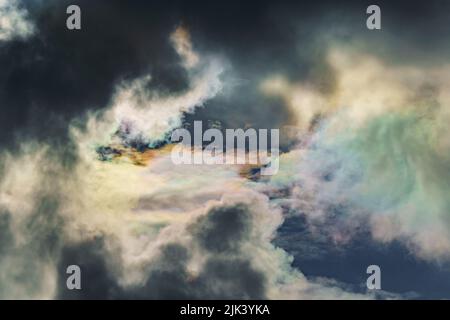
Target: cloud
31 223
367 151
147 115
378 157
127 249
14 23
181 40
132 227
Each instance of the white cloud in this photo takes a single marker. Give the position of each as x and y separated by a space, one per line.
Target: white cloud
14 22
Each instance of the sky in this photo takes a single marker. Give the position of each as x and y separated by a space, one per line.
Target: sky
87 178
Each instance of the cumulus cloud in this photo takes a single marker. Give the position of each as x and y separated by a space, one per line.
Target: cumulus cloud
379 154
113 218
14 21
153 230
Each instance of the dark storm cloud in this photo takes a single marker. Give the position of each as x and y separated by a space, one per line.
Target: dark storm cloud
58 74
233 224
97 281
64 72
226 274
222 277
292 38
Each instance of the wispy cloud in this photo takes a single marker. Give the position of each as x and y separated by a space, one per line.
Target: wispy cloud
14 21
